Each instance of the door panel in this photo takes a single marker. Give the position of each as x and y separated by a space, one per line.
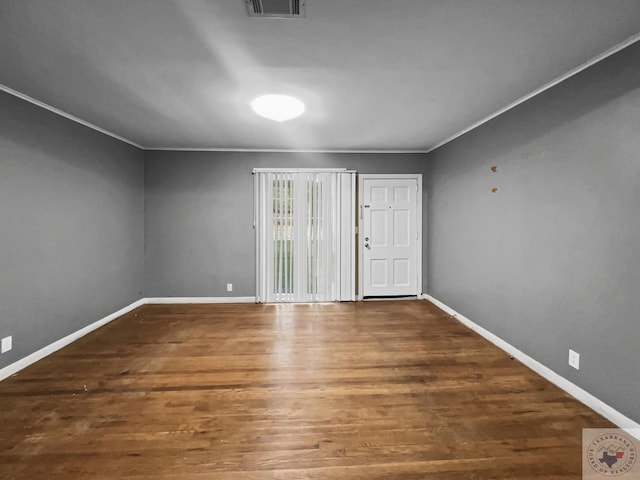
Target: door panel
379 272
401 228
401 270
401 195
389 236
379 194
378 228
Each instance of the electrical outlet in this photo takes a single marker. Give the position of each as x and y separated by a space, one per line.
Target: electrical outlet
229 287
574 359
7 344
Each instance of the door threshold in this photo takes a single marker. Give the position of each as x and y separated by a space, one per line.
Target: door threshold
390 297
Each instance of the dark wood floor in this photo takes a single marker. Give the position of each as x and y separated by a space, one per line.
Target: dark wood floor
368 390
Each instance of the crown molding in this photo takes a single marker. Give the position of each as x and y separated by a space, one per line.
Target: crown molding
279 150
68 116
598 58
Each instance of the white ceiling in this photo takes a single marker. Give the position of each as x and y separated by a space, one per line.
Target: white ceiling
374 74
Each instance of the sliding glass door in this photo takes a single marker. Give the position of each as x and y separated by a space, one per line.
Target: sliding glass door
305 235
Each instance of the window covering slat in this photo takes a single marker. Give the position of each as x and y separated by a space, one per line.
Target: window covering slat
300 236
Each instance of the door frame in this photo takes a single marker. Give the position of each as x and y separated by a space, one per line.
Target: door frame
360 247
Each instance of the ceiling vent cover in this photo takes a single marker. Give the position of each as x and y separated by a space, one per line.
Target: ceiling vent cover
276 8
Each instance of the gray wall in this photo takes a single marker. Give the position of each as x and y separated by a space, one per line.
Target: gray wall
199 215
552 260
71 226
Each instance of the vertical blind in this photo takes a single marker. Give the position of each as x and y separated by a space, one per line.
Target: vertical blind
305 235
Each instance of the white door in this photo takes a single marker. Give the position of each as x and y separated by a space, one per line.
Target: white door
390 235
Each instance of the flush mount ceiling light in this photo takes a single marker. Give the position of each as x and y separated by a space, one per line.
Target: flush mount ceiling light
278 107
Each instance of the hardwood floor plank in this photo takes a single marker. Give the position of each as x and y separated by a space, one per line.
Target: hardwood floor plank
367 390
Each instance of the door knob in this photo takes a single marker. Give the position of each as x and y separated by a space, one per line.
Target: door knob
367 245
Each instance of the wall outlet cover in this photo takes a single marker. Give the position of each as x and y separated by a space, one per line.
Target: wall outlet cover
229 287
574 359
7 344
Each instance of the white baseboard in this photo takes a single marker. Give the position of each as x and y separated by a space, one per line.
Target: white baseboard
572 389
63 342
176 300
595 404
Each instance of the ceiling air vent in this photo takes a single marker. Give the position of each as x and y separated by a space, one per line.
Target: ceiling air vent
276 8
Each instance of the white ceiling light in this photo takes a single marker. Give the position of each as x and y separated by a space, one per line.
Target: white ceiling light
278 107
